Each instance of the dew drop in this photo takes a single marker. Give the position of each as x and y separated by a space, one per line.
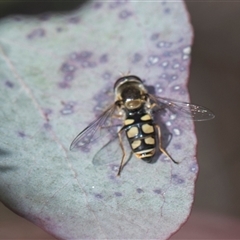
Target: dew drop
163 44
176 87
153 60
160 90
176 131
194 168
185 57
174 77
173 116
168 123
187 50
176 65
165 64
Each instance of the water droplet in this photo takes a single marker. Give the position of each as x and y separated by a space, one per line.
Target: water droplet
194 168
187 50
176 131
176 65
168 123
173 116
176 87
153 60
165 64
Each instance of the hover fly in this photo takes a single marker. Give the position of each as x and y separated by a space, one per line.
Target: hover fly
136 107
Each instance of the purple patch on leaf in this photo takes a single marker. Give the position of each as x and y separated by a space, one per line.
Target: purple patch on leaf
63 85
59 29
68 77
21 134
157 191
176 179
97 5
47 126
44 16
74 19
106 75
154 36
82 56
117 3
167 10
118 194
66 67
17 18
139 190
89 64
177 146
103 58
36 33
98 196
9 84
136 57
125 14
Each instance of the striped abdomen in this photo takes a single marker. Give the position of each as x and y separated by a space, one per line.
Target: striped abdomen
141 134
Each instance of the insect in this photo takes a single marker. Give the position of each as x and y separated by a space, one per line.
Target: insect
136 107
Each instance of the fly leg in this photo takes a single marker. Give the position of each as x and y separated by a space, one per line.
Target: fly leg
123 151
160 147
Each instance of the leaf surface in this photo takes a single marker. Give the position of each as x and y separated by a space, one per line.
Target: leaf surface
56 76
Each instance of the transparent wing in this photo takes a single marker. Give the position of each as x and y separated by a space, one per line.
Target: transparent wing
112 152
92 132
189 110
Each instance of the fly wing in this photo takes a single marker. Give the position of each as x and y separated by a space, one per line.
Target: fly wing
188 110
112 152
93 131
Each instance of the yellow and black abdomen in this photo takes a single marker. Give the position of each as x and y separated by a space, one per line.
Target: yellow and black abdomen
141 135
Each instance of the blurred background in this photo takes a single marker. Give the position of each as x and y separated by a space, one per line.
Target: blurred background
214 83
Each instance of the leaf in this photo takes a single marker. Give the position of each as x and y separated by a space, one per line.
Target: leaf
56 76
